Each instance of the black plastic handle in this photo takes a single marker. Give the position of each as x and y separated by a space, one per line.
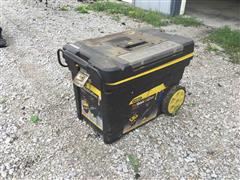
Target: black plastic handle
59 51
76 58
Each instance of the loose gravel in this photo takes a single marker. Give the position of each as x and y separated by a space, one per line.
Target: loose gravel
201 142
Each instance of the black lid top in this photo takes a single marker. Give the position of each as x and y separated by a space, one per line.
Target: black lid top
131 48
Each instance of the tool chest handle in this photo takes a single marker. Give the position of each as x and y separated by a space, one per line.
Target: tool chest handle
136 44
59 51
71 56
78 60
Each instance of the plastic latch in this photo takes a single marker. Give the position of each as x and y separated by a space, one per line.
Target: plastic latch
80 79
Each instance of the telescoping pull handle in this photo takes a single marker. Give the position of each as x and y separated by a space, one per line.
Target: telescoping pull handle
59 58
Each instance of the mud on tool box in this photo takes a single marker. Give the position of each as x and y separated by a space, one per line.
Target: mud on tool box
124 80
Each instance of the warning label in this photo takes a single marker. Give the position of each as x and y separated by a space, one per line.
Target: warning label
91 108
144 108
141 112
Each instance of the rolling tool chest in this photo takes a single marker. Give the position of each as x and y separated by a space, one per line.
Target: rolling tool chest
124 80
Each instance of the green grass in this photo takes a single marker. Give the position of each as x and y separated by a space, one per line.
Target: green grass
116 18
186 21
192 104
2 99
82 9
134 162
211 48
34 119
229 40
151 17
64 8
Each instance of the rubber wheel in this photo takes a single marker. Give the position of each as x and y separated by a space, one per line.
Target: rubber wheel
173 100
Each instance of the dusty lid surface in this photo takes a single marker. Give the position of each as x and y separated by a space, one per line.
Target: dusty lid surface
131 48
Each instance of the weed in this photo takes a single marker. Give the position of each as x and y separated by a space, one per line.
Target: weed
82 9
64 8
116 18
134 162
228 39
34 119
192 104
211 48
186 21
2 99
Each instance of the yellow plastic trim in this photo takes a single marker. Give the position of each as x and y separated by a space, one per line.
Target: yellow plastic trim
176 101
135 127
148 93
93 89
152 70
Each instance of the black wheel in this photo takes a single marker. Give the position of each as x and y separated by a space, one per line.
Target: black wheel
173 100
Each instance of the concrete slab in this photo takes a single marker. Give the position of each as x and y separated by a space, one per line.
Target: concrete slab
215 13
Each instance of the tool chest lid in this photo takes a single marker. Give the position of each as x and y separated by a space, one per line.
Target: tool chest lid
131 48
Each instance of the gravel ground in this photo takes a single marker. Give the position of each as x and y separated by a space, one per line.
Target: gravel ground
201 142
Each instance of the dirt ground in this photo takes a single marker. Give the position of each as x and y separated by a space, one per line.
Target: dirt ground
201 142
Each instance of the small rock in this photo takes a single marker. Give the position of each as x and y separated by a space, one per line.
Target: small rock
208 171
137 176
35 140
214 175
9 140
4 174
190 159
2 168
191 135
11 171
124 168
3 108
115 156
215 46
